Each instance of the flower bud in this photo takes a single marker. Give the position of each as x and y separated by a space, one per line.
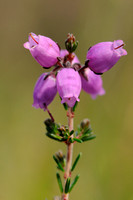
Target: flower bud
44 91
43 49
103 56
61 157
69 86
94 84
71 43
85 123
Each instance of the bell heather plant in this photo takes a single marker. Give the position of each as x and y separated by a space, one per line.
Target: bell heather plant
67 78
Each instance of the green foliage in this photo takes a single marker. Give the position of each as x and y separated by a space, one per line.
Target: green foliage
61 158
61 133
84 131
54 137
71 133
76 161
65 106
77 140
73 183
59 182
59 165
88 137
67 185
75 106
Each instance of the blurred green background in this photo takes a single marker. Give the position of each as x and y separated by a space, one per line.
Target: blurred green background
27 171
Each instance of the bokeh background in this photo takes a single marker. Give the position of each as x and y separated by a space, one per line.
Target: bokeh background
27 171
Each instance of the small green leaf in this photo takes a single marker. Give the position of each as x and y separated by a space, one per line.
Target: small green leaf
77 140
67 185
50 125
71 132
78 131
49 135
58 163
54 137
59 182
88 131
73 183
65 106
88 137
75 106
76 161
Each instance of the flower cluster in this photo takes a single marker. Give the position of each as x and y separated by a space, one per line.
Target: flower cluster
68 76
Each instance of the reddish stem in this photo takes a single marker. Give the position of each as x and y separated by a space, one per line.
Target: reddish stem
67 174
49 113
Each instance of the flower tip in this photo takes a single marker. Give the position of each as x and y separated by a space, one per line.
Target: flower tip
26 45
35 105
118 45
93 96
124 52
70 100
102 92
77 99
31 34
34 37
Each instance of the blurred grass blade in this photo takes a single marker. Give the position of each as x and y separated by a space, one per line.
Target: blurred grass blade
76 161
67 185
73 183
58 163
59 182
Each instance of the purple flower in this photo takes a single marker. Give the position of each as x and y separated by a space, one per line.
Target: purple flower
102 56
44 91
69 86
94 84
43 49
64 52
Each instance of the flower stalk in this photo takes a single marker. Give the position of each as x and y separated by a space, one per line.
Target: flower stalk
67 174
51 116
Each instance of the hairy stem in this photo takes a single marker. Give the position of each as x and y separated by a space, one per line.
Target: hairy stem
69 153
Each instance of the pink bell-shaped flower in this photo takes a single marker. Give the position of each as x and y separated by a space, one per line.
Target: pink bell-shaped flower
69 86
44 91
103 56
94 84
43 49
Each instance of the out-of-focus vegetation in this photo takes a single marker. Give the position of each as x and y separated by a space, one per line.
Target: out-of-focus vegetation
27 171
